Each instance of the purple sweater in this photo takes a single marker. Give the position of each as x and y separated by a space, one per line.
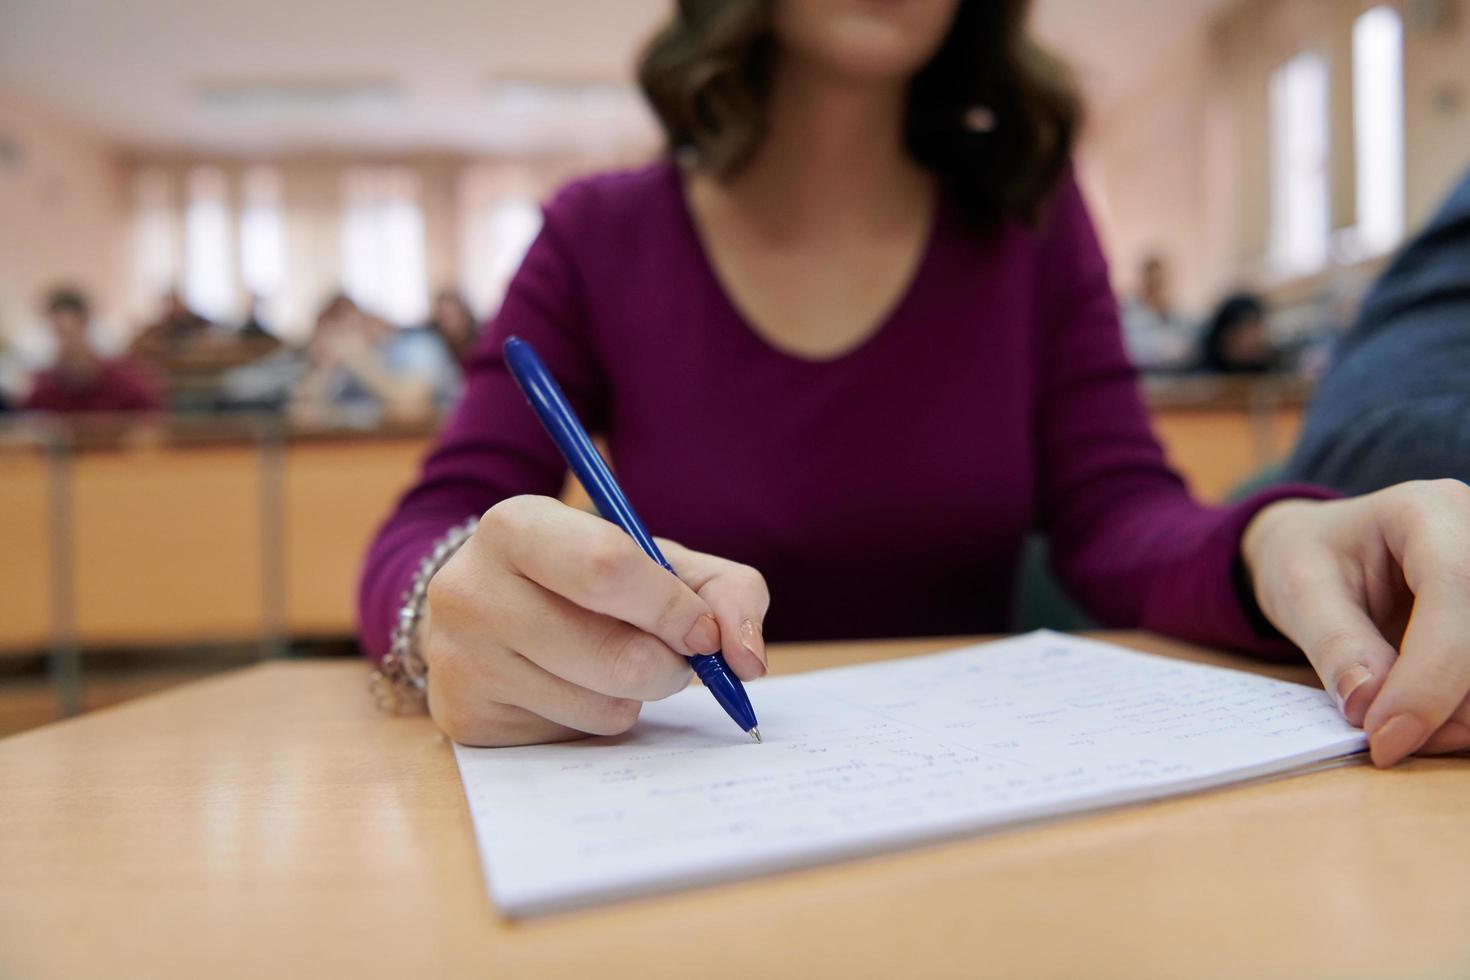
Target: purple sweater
885 492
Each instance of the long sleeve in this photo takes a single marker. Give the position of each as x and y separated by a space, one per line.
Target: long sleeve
1126 537
492 447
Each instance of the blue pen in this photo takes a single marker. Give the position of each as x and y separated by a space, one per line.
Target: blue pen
561 423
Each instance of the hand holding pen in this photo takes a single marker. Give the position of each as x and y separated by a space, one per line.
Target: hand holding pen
551 623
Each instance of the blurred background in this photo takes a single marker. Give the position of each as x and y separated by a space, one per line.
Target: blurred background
265 234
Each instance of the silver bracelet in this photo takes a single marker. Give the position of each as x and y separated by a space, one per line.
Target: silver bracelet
401 680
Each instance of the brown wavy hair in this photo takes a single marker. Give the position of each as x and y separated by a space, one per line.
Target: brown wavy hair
992 113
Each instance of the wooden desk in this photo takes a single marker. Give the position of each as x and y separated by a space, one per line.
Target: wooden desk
1220 431
269 822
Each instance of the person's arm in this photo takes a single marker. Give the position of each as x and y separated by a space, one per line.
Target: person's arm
1395 404
307 401
492 447
547 622
420 375
404 392
1432 271
1375 590
1126 537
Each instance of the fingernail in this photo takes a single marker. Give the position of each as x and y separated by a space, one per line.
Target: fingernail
1350 682
1395 739
751 639
703 636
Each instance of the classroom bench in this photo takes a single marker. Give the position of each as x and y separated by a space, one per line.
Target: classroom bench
244 529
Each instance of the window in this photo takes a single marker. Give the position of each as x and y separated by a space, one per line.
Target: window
383 260
213 259
1378 127
262 245
502 232
155 241
209 279
499 218
1301 220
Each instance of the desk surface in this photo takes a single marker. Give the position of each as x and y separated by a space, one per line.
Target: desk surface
271 822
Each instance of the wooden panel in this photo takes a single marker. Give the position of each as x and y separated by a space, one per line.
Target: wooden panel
25 551
1213 450
1286 425
1217 449
168 545
335 496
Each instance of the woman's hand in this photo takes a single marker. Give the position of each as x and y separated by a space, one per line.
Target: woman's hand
551 623
1376 590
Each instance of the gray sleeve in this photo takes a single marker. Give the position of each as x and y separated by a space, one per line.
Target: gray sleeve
1422 439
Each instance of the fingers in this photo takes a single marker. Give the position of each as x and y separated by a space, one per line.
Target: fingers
1453 735
598 567
561 702
1429 680
494 726
489 695
1429 532
481 723
551 623
588 649
1327 620
463 703
737 593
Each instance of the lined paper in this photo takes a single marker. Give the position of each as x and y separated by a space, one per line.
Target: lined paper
860 760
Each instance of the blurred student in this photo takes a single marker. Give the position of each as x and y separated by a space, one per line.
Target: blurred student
1395 405
1158 338
176 329
1236 341
254 330
455 326
14 379
859 336
81 379
359 368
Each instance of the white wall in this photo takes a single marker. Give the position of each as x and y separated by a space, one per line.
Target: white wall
62 215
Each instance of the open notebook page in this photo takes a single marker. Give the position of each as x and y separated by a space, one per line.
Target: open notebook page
859 760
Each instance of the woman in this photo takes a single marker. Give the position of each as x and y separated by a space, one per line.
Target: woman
862 342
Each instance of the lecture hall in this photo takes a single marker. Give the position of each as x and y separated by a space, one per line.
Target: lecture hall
735 488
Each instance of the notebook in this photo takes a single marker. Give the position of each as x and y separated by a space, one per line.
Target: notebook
862 760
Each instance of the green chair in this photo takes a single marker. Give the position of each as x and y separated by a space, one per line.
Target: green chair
1043 603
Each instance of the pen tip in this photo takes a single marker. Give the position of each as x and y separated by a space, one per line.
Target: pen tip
755 733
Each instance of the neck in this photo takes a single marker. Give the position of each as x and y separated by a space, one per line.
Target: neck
833 153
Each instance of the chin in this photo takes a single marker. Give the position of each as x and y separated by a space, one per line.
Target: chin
865 39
